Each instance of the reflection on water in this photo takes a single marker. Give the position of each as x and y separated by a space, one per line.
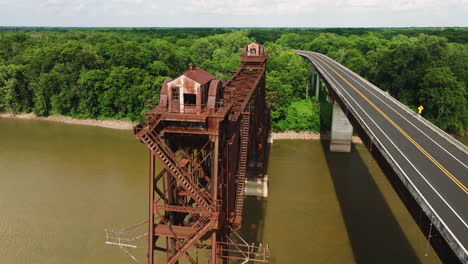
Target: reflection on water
61 185
331 208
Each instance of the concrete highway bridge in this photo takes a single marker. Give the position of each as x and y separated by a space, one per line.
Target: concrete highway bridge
426 166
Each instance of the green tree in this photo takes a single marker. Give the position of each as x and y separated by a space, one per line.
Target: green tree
302 115
14 94
444 99
123 90
44 88
291 41
202 50
456 58
90 85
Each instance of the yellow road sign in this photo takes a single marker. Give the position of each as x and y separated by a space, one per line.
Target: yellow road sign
420 108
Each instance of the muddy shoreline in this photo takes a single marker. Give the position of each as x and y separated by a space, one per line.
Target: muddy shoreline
127 125
306 136
114 124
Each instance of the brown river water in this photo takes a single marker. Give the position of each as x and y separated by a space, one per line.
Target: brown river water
61 185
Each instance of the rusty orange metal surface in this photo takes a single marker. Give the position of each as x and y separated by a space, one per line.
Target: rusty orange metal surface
207 136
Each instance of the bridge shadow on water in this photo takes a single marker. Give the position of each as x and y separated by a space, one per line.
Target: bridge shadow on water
253 222
373 231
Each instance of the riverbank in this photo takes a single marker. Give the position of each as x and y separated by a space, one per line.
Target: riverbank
114 124
126 125
306 136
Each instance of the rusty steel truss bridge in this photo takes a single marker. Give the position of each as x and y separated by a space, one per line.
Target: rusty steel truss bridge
206 138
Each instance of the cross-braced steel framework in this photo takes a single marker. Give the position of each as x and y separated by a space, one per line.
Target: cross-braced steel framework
203 154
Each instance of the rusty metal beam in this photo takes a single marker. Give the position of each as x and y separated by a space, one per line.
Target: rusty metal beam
151 212
204 157
179 209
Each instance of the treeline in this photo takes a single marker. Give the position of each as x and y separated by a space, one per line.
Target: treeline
458 35
423 70
95 74
118 73
109 73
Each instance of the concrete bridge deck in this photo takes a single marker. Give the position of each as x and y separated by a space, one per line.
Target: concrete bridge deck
430 164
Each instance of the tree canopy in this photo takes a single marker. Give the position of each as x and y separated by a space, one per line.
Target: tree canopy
118 73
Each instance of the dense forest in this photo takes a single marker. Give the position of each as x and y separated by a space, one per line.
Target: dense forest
117 73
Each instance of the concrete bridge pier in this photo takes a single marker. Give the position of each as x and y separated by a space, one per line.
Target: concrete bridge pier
341 131
315 82
317 85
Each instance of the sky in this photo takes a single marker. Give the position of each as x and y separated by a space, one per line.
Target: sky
231 13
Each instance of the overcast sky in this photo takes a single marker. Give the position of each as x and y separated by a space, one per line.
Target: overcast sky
232 13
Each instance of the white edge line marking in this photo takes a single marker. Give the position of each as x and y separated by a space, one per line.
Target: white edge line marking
396 163
344 69
457 144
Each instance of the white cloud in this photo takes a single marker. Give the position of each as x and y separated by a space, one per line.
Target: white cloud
80 7
248 7
132 7
413 4
130 1
364 3
294 7
464 3
55 2
236 12
95 8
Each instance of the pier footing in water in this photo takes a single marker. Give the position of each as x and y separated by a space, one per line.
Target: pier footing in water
341 131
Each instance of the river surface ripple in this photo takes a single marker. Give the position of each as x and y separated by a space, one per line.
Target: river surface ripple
61 185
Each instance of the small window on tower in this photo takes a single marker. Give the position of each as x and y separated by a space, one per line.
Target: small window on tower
175 93
253 50
190 99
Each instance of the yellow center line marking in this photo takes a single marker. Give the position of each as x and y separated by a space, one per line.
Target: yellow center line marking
432 159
